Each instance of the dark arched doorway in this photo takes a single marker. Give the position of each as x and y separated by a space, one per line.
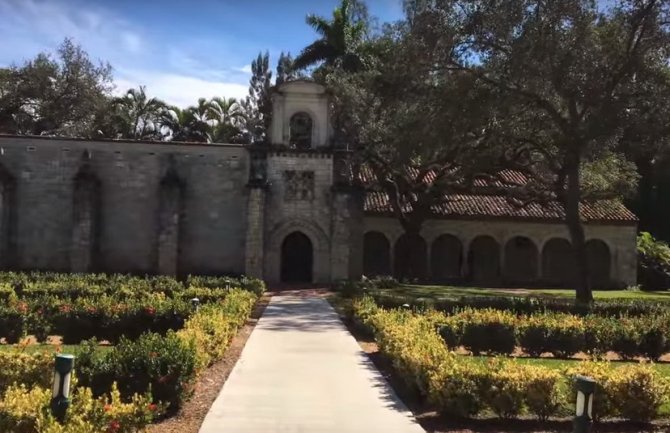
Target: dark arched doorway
521 261
558 264
445 258
296 259
598 260
376 255
484 260
410 260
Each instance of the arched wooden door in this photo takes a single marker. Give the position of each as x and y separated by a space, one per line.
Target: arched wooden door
297 259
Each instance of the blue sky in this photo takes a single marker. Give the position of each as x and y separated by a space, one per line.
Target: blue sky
179 49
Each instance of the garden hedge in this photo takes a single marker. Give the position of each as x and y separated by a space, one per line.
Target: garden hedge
166 365
563 335
461 386
106 307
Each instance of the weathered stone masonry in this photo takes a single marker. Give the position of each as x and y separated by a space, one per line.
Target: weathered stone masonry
288 210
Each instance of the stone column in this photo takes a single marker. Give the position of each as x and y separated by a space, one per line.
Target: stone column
254 260
255 243
169 219
85 212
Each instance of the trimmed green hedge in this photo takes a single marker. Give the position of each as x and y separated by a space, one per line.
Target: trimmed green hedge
563 335
524 304
106 307
458 386
166 365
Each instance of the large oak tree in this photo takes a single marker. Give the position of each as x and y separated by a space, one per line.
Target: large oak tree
568 74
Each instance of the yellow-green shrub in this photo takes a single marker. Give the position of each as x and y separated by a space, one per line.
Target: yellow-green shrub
24 410
544 395
211 329
31 369
507 390
457 388
638 391
600 371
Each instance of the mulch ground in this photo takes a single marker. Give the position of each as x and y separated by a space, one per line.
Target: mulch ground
432 422
210 382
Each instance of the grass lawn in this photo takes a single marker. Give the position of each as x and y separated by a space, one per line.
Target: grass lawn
663 368
452 292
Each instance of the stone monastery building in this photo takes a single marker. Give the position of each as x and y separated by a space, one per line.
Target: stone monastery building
285 212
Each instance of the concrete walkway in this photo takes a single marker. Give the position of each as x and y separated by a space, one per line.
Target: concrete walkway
301 371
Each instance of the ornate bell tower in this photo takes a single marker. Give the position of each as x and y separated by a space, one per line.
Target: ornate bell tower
304 218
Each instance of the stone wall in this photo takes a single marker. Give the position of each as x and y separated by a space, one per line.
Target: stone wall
299 204
621 239
186 208
50 229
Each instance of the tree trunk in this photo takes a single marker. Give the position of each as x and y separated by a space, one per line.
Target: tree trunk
575 227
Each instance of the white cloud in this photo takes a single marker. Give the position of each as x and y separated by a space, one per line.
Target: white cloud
179 90
39 25
245 69
179 71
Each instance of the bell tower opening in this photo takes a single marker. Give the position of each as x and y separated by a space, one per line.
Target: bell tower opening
300 128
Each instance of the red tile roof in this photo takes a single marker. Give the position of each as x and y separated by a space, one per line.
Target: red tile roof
487 205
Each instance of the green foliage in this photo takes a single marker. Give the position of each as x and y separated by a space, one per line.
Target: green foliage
26 410
339 40
31 370
487 330
84 306
524 304
563 335
457 386
653 262
210 330
38 97
166 365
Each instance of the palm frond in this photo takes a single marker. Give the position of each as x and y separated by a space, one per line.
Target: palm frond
314 53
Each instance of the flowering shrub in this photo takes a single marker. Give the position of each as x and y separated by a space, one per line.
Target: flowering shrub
166 364
26 410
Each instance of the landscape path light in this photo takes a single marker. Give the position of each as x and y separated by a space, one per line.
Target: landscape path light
61 387
195 303
586 386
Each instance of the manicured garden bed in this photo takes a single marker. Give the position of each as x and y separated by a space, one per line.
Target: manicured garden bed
453 292
157 342
475 387
389 293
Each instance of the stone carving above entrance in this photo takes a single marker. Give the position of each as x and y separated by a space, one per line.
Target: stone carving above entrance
299 185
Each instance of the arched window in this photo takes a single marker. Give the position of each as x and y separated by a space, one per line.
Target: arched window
558 263
376 254
598 260
484 260
521 260
300 128
445 258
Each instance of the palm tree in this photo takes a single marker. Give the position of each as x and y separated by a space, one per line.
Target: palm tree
339 41
185 124
227 116
136 115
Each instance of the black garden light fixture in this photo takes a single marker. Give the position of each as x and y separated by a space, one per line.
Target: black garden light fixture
586 386
61 386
